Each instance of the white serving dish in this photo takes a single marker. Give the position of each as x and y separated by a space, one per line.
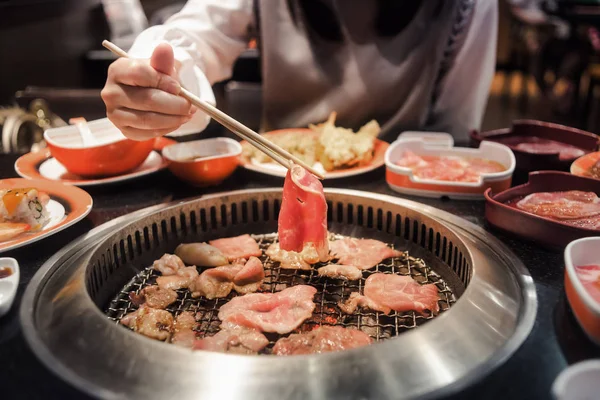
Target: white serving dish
8 285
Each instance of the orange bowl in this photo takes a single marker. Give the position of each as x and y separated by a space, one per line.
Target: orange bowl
113 154
206 162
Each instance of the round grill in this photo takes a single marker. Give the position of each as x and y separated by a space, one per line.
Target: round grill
329 293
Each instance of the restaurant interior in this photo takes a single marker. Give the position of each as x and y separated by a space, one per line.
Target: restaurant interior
125 265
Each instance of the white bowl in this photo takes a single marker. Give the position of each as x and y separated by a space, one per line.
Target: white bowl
580 381
8 285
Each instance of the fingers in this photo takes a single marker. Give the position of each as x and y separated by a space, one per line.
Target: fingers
163 59
144 99
140 73
127 117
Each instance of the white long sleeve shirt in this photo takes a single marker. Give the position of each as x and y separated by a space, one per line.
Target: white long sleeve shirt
433 74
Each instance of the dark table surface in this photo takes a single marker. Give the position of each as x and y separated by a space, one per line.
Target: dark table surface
555 342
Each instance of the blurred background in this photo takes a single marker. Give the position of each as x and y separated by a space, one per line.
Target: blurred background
53 66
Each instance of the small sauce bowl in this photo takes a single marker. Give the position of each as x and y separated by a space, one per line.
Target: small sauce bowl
206 162
9 282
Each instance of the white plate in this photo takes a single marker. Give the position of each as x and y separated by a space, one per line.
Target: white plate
53 170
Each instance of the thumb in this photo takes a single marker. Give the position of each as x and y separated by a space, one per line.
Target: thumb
163 59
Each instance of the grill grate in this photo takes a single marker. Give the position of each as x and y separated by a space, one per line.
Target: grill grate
329 293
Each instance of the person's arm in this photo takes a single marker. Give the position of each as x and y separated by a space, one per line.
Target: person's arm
207 36
463 92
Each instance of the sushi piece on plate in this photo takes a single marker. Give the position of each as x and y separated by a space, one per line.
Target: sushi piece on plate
27 206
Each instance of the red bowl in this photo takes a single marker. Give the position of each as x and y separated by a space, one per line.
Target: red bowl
113 155
206 162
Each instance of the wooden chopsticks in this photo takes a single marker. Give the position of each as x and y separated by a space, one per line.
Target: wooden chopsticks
260 142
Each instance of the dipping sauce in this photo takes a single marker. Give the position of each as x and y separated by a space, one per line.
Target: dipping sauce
5 272
537 145
589 275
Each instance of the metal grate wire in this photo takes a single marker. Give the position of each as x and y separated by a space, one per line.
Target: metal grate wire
329 293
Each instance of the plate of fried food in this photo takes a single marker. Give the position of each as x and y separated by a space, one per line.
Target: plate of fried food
336 152
31 210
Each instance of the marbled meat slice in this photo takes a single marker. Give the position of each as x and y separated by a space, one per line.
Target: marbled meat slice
361 253
183 330
154 296
386 292
292 259
323 339
150 322
201 255
237 247
303 215
168 264
280 312
233 338
572 204
545 146
182 279
250 277
339 271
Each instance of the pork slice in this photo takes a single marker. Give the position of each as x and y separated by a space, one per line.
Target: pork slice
234 339
214 283
154 296
168 264
323 339
201 255
303 216
250 277
386 292
238 247
150 322
183 330
280 312
338 271
182 279
292 259
572 204
361 253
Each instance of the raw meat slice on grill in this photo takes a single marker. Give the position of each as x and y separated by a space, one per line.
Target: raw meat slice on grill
168 264
234 339
201 255
386 292
303 216
292 259
362 253
182 279
339 271
323 339
156 324
183 330
154 297
250 276
280 312
237 247
572 204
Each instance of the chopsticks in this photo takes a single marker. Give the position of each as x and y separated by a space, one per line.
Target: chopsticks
260 142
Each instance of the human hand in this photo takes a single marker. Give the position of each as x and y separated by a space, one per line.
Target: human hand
141 96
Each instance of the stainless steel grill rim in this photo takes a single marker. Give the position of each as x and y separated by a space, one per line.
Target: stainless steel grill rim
513 296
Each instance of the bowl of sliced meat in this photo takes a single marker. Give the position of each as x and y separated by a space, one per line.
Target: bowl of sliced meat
427 164
553 208
541 145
